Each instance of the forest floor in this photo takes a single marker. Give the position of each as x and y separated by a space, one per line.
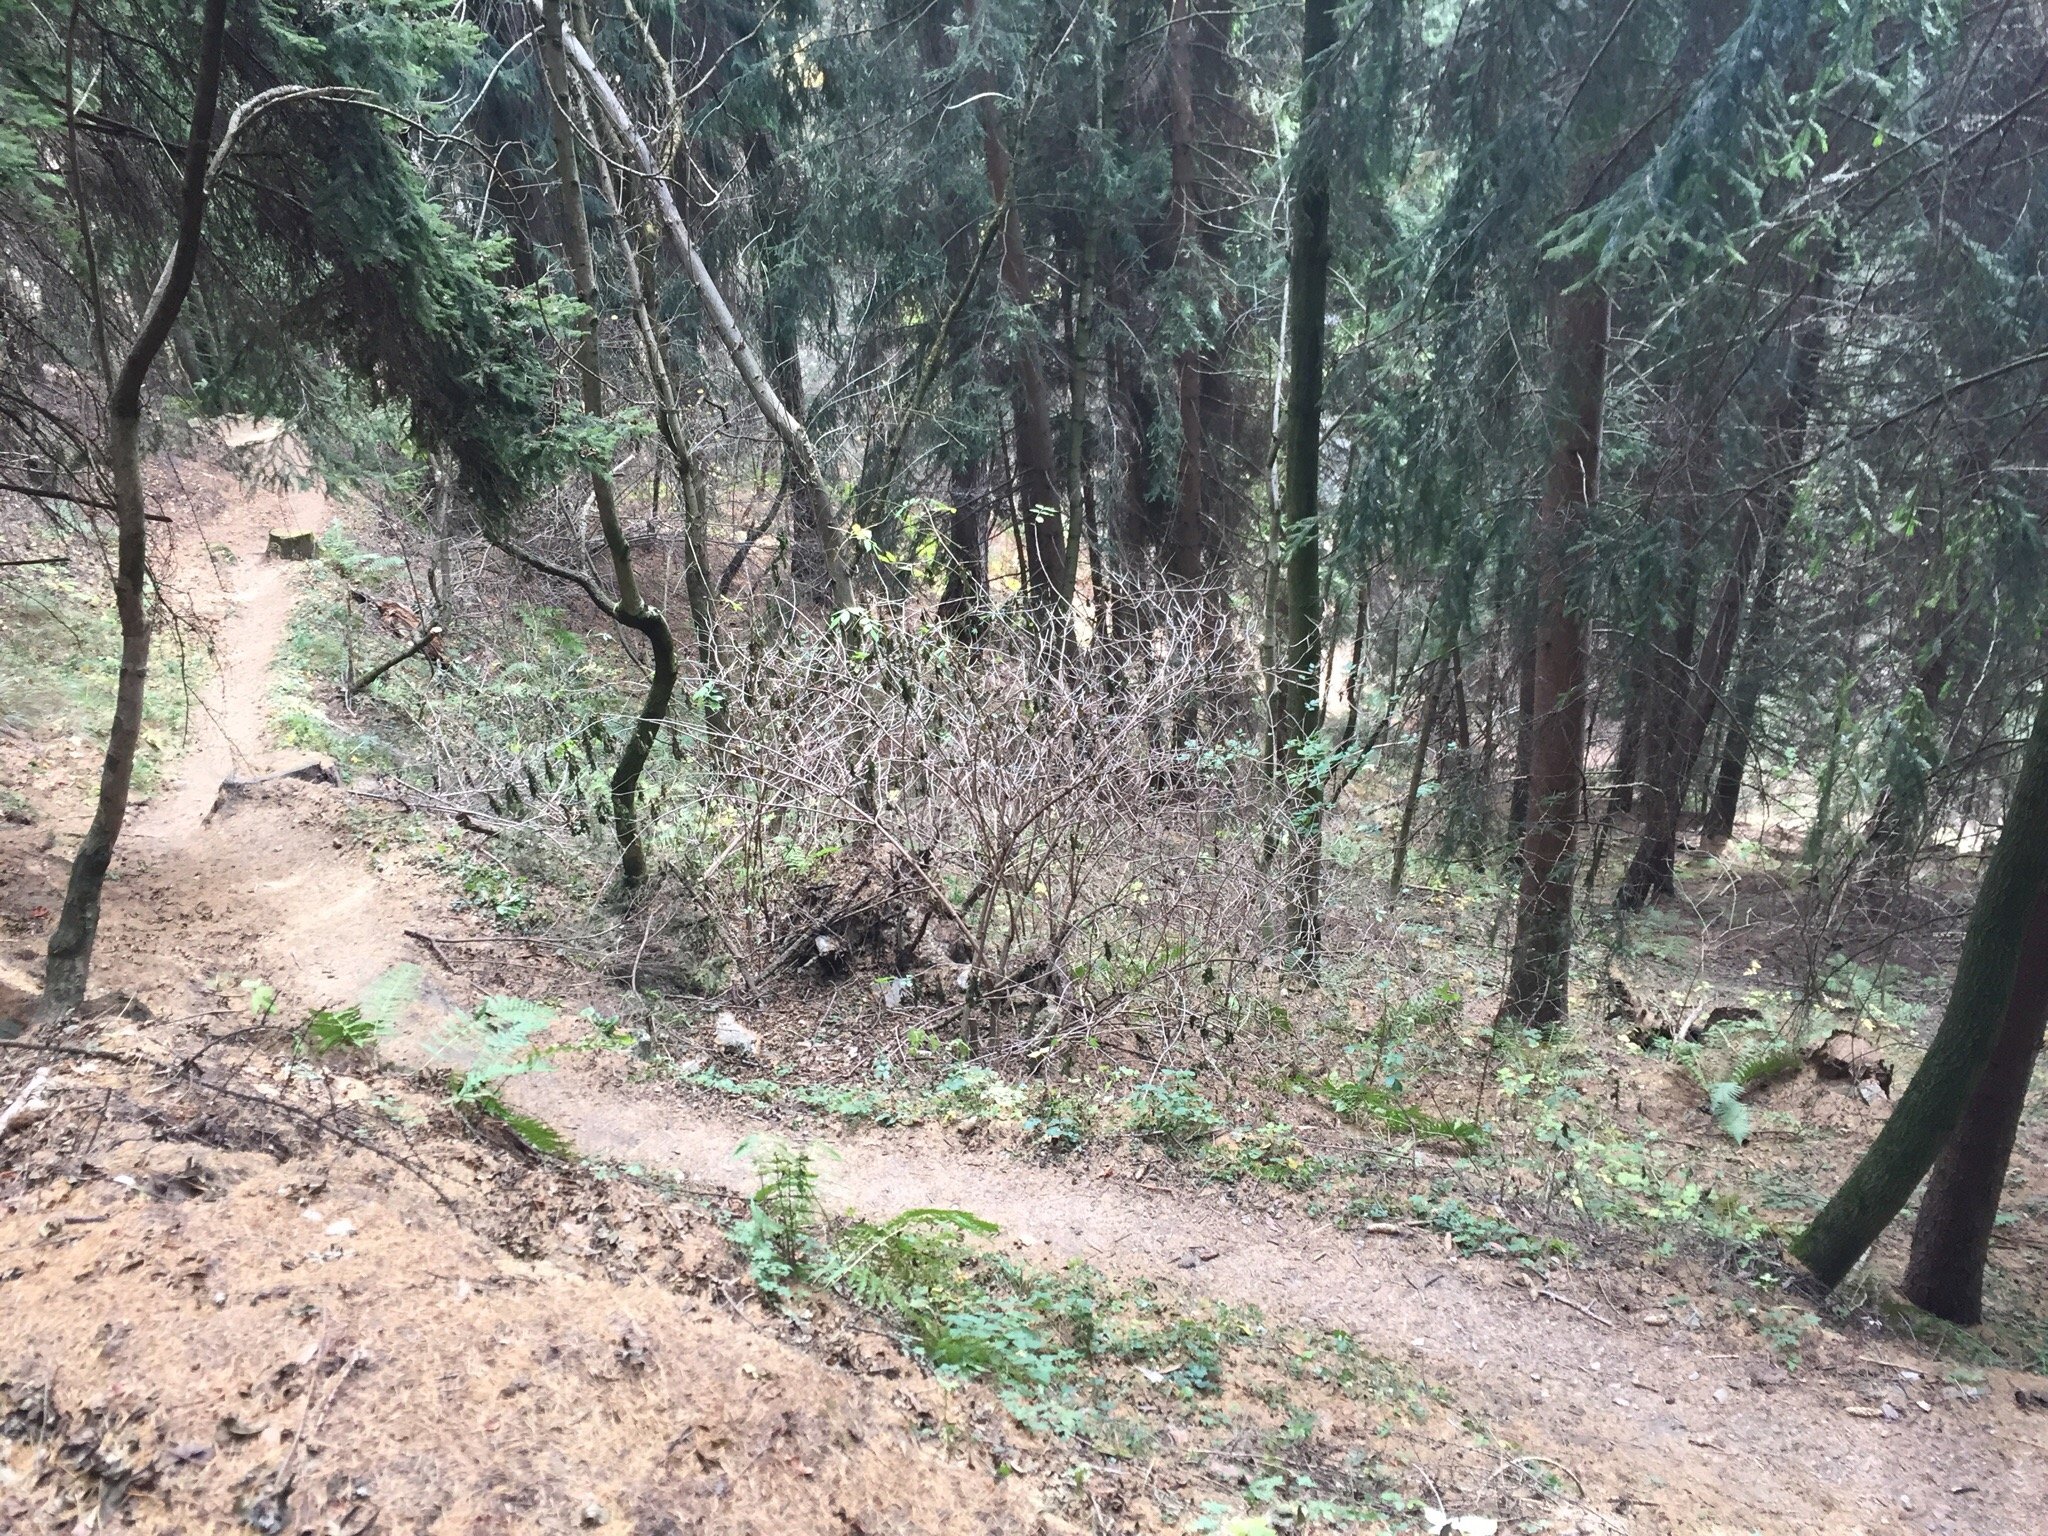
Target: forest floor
244 1286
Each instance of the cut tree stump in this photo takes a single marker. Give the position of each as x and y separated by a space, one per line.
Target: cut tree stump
303 545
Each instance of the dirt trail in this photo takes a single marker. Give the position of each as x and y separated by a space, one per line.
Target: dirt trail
218 572
1670 1429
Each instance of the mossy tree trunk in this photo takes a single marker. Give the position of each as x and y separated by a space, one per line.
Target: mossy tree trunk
71 943
1941 1092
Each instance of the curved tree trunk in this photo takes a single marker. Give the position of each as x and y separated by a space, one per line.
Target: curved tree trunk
1952 1237
804 454
1934 1104
630 608
78 923
1539 971
652 345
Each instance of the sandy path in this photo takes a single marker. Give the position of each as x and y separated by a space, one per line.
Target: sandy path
1669 1429
217 571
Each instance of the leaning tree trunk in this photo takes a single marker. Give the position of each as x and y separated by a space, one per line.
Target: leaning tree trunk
651 342
1296 717
630 608
1952 1238
1432 688
1941 1091
78 924
1539 970
1744 699
802 452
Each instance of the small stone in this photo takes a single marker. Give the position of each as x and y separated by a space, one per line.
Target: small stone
593 1514
732 1036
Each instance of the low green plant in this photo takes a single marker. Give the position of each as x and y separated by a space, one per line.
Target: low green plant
1476 1232
782 1233
499 1038
1758 1068
1171 1112
337 1029
1271 1151
1355 1099
1059 1122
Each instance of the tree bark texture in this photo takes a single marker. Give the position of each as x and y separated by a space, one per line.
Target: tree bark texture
1940 1094
1296 716
630 608
71 942
1958 1208
1539 970
1769 511
1037 457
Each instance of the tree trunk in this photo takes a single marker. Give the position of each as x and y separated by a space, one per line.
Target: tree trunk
796 440
1952 1238
1297 720
1787 432
1037 471
965 536
1747 694
1659 781
1432 688
1934 1104
78 923
1525 718
630 609
1898 824
1187 553
1539 971
652 344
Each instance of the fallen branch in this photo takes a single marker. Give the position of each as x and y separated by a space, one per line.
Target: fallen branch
1577 1306
42 560
484 938
427 637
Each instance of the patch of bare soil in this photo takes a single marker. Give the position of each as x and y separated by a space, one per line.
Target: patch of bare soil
466 1388
221 1318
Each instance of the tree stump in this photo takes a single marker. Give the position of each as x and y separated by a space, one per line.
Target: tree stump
294 546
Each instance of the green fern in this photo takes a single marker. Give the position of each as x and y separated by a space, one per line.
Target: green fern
781 1234
1771 1064
537 1134
1759 1068
335 1029
1724 1103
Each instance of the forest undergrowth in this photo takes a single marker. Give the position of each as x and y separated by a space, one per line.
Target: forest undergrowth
1694 1113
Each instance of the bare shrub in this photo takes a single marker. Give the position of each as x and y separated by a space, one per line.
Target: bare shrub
1013 830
